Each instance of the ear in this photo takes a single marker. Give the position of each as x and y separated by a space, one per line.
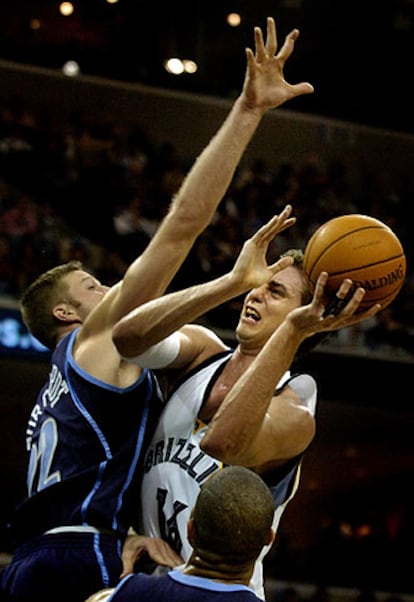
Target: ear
271 537
65 312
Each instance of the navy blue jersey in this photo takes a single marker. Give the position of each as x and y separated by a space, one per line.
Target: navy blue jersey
85 439
178 587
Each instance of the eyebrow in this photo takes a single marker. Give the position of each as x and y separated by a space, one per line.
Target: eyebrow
275 285
90 278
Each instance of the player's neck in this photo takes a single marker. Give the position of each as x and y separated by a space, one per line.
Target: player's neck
218 570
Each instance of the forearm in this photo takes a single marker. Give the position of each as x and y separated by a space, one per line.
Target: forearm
152 322
213 170
193 207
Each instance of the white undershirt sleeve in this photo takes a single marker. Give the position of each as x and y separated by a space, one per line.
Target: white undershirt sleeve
160 355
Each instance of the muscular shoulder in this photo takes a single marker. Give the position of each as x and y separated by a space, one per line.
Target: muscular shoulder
203 333
204 338
97 356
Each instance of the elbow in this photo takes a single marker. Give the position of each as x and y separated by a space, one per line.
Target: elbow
304 433
126 343
308 428
225 449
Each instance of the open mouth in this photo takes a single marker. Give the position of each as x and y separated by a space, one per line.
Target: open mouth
251 314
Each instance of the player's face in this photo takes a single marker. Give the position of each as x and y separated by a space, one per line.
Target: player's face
265 307
84 292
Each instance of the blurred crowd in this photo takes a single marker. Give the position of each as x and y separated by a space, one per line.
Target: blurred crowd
97 192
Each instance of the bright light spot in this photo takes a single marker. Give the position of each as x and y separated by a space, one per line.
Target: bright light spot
364 530
174 66
346 529
112 1
66 8
233 19
190 66
179 66
71 69
34 24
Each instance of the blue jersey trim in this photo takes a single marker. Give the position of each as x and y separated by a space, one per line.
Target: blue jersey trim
121 585
208 584
140 440
87 416
84 412
85 503
100 559
96 381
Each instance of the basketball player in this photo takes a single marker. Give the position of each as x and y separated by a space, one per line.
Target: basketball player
230 406
93 416
223 554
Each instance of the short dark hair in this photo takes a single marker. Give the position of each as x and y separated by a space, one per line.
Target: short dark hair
233 515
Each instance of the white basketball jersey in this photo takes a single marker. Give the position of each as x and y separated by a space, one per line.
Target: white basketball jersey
175 467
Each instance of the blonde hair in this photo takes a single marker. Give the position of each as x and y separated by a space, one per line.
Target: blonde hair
39 299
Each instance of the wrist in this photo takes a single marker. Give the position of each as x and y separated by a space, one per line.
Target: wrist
292 334
236 283
248 108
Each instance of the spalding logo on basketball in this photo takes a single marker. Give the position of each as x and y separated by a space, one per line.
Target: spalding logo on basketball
361 248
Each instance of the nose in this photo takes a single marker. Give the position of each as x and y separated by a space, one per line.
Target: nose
257 294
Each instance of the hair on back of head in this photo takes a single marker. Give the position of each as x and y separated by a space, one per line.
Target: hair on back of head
233 514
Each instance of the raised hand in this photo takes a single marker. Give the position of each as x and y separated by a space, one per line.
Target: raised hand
313 318
265 85
251 266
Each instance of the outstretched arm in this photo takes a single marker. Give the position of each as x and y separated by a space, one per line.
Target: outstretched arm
192 209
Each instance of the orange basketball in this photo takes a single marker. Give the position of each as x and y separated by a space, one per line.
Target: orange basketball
361 248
